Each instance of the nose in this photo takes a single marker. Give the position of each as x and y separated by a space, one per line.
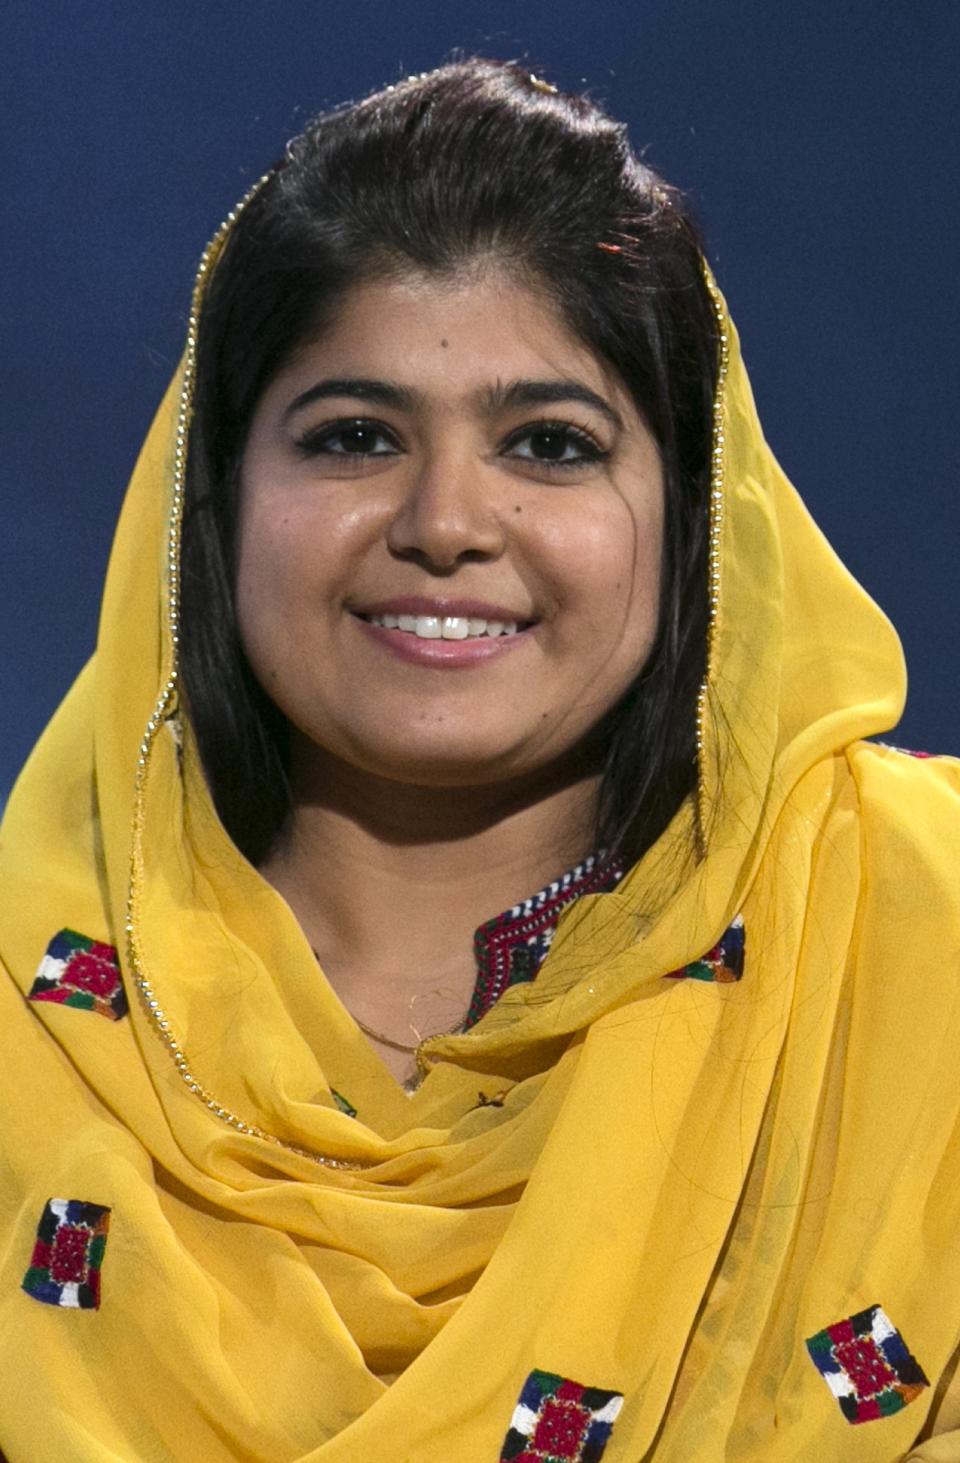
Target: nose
448 515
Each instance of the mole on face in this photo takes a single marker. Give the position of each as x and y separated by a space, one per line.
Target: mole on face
444 344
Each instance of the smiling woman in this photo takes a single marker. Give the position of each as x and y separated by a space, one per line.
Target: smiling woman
456 577
347 518
522 550
374 209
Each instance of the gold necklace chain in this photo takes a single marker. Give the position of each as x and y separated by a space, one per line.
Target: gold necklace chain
400 1046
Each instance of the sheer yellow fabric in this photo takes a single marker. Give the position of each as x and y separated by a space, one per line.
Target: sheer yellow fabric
685 1180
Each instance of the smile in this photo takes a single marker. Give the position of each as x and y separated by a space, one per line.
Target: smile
444 627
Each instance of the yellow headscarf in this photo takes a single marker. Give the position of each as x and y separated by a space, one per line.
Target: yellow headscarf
640 1245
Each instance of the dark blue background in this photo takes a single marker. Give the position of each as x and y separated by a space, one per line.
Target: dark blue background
819 140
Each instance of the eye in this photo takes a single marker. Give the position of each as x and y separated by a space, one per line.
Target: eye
553 445
356 437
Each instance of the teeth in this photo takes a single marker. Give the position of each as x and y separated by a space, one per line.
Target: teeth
449 627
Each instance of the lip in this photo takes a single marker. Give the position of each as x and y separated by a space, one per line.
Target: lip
412 604
442 654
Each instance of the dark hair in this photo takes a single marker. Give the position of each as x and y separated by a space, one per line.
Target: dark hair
477 158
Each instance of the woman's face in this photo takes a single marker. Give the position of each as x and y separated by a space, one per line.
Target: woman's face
451 524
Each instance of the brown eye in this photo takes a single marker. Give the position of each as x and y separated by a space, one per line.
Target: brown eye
550 446
355 438
554 444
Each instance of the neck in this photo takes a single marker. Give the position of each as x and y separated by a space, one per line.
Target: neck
364 860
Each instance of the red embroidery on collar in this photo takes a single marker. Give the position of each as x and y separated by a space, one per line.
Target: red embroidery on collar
511 948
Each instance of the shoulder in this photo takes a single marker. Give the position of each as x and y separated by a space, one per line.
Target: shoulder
909 807
895 782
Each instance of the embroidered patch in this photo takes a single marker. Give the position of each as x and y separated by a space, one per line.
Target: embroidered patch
510 949
342 1103
865 1363
65 1266
724 963
77 971
559 1421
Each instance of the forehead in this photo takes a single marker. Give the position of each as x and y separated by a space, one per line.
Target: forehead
449 333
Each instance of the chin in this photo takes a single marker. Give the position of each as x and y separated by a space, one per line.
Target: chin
425 757
466 766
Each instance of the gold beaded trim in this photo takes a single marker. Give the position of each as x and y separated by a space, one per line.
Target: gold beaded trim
715 531
165 702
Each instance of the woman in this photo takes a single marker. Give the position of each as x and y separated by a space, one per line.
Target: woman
455 559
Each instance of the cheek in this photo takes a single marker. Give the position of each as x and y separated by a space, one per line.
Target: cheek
263 578
607 568
280 574
289 554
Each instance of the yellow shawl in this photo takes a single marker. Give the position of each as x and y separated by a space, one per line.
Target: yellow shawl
681 1184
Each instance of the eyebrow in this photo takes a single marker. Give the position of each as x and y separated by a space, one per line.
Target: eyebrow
501 397
548 393
380 393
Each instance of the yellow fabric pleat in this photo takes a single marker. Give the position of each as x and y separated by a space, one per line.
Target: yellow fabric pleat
686 1179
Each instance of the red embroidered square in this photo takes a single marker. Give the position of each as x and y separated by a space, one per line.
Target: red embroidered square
64 1268
560 1421
77 971
865 1362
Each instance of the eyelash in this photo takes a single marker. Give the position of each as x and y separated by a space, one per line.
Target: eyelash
588 448
314 442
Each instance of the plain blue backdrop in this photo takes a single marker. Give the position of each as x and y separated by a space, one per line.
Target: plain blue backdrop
818 140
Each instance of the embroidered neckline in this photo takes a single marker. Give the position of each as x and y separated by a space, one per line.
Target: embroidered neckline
511 948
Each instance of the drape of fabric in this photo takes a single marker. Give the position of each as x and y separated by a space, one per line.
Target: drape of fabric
681 1181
